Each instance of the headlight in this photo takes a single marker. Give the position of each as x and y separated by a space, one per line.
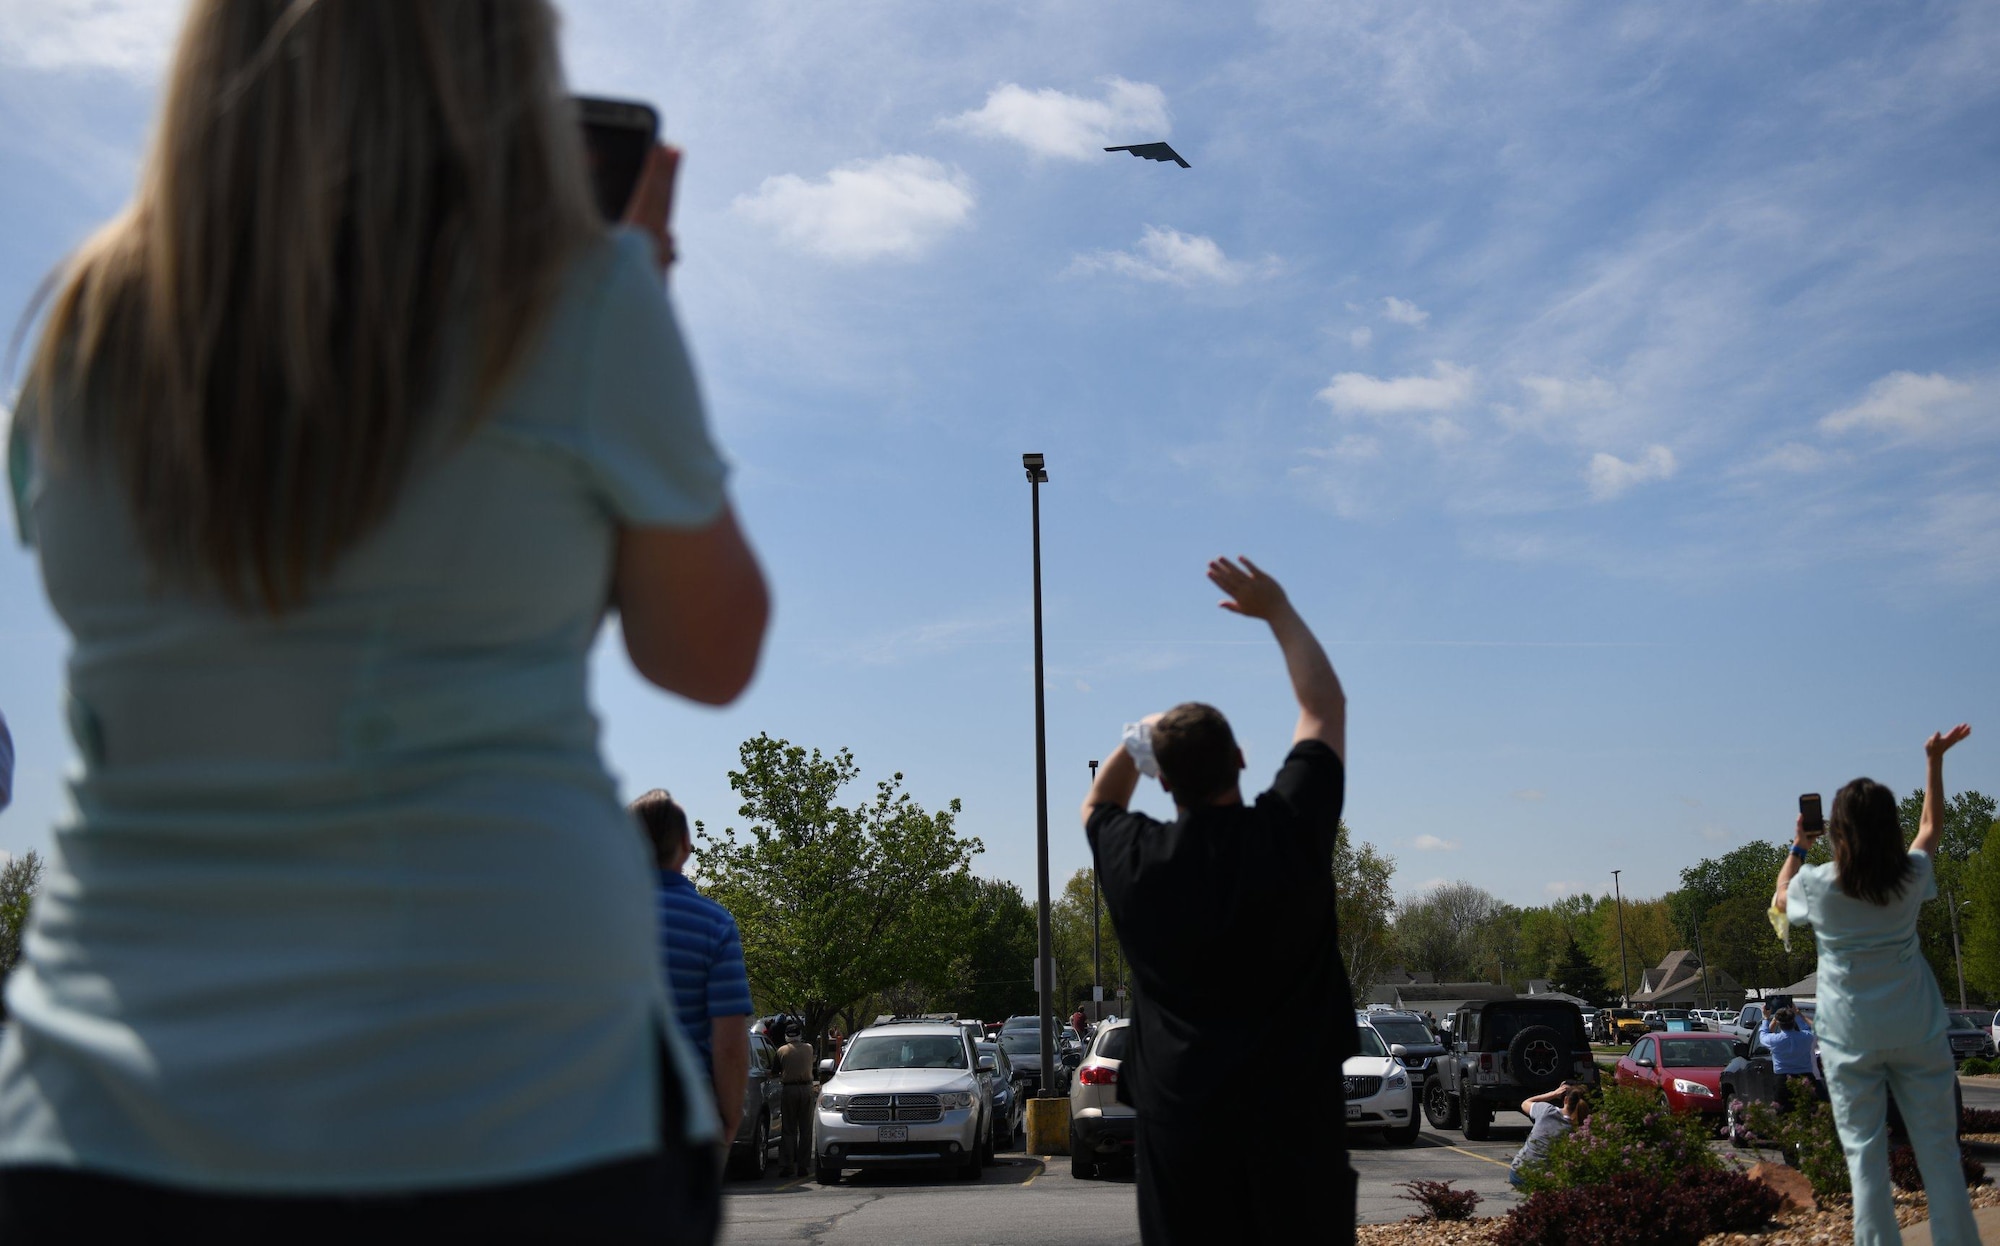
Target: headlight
1687 1087
833 1103
953 1099
1398 1082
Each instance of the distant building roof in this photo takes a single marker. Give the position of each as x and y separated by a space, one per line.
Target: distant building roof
1434 991
1807 986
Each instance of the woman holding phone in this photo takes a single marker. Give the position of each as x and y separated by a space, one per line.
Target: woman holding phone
338 444
1881 1023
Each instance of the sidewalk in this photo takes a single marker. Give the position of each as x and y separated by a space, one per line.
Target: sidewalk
1987 1218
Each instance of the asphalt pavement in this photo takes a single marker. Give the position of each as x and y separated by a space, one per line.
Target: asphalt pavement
1033 1199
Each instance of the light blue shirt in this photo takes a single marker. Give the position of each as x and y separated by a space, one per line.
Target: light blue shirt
348 901
1875 987
1791 1050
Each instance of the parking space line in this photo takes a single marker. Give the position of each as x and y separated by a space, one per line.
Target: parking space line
793 1184
1041 1166
1446 1146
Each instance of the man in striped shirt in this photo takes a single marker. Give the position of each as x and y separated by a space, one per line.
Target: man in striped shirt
703 960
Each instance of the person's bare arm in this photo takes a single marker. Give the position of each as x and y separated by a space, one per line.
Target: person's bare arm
1116 780
1322 702
1547 1096
1931 828
729 1045
1793 861
693 607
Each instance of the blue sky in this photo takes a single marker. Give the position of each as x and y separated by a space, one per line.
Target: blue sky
1616 388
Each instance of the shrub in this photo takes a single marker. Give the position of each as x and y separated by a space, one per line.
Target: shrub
1629 1131
1806 1136
1641 1209
1979 1120
1904 1172
1976 1067
1439 1201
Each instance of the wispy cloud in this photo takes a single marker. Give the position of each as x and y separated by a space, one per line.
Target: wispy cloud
1907 406
1610 476
1448 387
1431 843
1168 255
1532 795
894 207
1402 311
933 637
1053 124
1561 889
131 37
1361 337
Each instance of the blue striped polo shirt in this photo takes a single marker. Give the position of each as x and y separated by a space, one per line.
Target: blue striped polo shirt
703 960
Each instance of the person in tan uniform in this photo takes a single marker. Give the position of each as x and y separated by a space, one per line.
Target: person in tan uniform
795 1070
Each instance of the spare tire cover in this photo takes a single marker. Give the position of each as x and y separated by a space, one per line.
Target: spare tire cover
1539 1057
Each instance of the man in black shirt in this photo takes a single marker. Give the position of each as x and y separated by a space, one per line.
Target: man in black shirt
1232 901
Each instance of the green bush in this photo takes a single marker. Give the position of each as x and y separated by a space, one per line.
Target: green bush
1976 1067
1439 1200
1629 1131
1807 1137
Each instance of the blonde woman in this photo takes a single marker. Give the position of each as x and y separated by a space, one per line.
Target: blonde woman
338 444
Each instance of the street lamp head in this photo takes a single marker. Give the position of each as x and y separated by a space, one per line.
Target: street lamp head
1033 462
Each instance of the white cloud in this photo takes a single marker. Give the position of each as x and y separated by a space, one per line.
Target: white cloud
1794 456
1558 890
1906 405
1057 125
1172 256
1359 338
1357 448
125 36
1610 475
1531 795
1402 311
895 206
1356 393
1431 843
1558 395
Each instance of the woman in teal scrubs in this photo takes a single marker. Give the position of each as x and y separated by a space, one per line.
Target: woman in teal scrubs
1881 1016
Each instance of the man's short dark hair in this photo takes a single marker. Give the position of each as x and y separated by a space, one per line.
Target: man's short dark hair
1196 751
666 824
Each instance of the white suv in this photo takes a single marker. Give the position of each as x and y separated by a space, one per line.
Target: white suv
1099 1125
906 1093
1379 1092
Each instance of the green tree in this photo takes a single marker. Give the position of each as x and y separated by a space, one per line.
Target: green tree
20 879
1967 817
1365 904
1445 931
999 975
1575 974
837 904
1069 935
1980 922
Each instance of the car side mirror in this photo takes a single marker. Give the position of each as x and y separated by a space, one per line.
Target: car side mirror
1399 1051
986 1064
825 1070
1643 1062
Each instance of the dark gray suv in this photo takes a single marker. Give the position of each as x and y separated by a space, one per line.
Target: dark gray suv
1504 1051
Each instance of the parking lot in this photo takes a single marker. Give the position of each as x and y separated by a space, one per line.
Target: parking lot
1024 1198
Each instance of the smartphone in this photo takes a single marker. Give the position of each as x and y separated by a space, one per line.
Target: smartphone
1813 822
617 136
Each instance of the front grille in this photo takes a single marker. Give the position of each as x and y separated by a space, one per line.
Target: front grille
881 1109
1363 1087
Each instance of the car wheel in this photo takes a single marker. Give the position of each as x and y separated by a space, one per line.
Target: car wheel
826 1176
988 1148
1440 1105
975 1159
1082 1164
1478 1122
754 1163
1406 1135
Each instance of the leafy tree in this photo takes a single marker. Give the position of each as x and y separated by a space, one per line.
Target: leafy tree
20 879
1967 817
1069 935
1980 923
999 976
1365 905
1738 939
1445 931
837 904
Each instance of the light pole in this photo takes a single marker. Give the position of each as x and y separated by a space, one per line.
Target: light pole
1708 1000
1951 901
1096 950
1044 960
1624 984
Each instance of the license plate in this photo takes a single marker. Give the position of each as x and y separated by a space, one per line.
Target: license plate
1354 1111
892 1133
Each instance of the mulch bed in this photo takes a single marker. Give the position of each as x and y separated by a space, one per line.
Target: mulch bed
1831 1225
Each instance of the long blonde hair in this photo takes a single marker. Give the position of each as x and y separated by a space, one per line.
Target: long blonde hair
254 341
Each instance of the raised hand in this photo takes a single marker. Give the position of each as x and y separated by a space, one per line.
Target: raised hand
1252 593
1943 740
652 205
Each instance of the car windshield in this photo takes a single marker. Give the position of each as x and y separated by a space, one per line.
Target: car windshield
1967 1021
1111 1044
1021 1043
905 1051
1695 1053
1371 1042
1408 1033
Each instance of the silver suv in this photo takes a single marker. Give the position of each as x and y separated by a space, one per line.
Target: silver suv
1099 1125
906 1093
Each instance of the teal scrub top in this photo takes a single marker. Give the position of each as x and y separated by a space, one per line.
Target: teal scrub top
1876 990
347 901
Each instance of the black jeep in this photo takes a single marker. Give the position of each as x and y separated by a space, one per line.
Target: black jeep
1504 1051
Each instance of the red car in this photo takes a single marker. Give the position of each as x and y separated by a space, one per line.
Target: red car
1685 1068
